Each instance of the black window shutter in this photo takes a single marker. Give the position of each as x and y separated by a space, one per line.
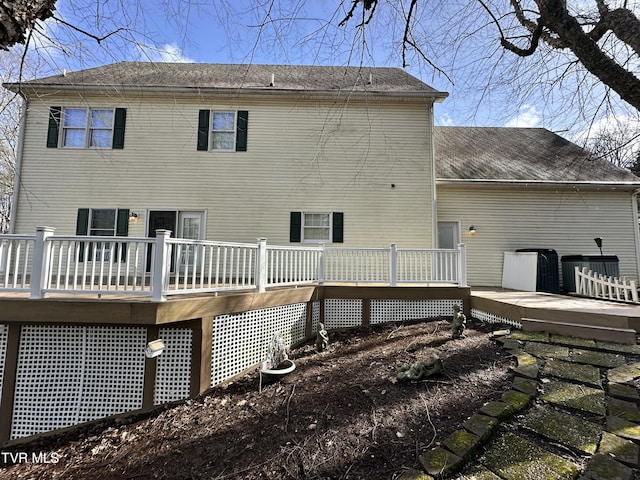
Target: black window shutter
54 127
119 123
122 230
203 129
241 133
295 227
338 227
82 228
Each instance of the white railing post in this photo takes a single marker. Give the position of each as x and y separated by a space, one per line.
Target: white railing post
462 265
41 258
261 266
393 265
321 259
161 265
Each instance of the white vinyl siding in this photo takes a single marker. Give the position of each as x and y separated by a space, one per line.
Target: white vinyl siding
315 156
563 219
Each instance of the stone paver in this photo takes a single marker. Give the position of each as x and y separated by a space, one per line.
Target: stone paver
601 359
462 443
530 336
481 425
528 365
412 474
620 390
603 467
496 409
514 458
624 373
622 450
547 350
586 374
573 341
623 428
440 462
623 409
525 385
575 396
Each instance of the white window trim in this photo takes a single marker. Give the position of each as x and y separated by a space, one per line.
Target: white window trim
313 240
212 131
87 128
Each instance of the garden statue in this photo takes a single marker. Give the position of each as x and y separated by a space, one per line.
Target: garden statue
420 370
322 339
459 323
276 353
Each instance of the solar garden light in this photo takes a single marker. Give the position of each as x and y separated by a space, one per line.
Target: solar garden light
154 348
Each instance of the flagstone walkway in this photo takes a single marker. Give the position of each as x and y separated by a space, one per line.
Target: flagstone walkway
573 413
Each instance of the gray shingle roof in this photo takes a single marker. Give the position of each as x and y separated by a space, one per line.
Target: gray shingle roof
518 154
246 77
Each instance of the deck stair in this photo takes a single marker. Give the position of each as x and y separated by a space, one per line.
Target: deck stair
564 315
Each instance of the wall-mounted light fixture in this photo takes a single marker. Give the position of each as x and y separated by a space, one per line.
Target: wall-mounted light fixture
133 216
154 348
472 230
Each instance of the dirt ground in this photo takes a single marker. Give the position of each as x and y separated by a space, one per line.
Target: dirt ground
340 415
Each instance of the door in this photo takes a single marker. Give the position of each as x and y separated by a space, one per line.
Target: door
190 227
161 220
448 235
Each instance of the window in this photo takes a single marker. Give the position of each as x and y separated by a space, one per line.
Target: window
316 227
86 127
221 131
102 222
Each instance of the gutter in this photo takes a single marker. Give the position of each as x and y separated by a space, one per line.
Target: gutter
538 184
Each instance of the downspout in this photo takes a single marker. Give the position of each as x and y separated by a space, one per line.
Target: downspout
636 228
434 197
18 166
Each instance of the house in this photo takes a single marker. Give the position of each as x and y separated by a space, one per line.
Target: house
230 152
305 154
523 188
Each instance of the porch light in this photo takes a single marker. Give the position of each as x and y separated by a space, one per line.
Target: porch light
133 216
472 230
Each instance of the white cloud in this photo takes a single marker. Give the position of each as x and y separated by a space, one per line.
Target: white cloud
445 120
527 117
169 52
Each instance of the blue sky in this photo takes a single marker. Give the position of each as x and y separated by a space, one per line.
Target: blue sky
487 86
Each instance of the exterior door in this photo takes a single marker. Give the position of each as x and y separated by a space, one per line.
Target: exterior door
190 227
448 235
161 220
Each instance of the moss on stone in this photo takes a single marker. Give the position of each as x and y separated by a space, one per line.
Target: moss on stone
623 391
412 474
479 473
525 385
623 373
618 347
531 336
566 429
498 410
514 458
622 450
545 350
573 341
575 396
481 425
440 462
623 428
587 374
603 467
527 365
601 359
623 409
516 400
462 443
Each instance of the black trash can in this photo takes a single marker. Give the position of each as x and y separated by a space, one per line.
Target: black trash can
602 264
548 271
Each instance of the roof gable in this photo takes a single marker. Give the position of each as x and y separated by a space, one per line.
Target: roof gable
518 154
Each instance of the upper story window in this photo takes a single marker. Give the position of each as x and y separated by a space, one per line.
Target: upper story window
87 128
73 127
222 131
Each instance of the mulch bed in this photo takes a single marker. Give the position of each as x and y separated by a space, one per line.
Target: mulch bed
340 415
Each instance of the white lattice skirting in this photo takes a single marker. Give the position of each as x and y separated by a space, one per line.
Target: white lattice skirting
383 311
339 313
240 340
173 370
491 318
72 374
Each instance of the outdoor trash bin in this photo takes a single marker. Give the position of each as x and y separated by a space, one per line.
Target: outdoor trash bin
548 271
602 264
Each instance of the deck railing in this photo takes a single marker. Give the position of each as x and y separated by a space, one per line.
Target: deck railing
163 266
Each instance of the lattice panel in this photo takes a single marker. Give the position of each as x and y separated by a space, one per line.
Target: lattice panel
492 318
173 370
4 333
399 310
240 340
340 313
315 316
72 374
